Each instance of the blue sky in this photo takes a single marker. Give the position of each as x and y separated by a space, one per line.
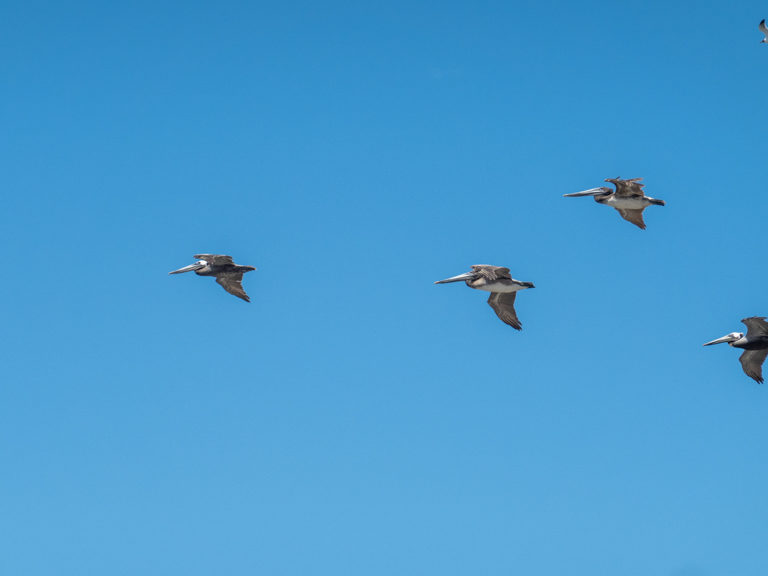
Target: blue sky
354 418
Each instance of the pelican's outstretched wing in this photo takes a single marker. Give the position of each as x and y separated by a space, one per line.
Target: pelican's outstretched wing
491 272
215 259
631 187
503 303
591 192
232 283
763 27
634 216
752 363
757 327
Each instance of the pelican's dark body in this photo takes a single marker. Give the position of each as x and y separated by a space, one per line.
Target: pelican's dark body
502 285
216 270
609 199
761 344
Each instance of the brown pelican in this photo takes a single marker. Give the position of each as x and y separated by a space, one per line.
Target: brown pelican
228 274
500 284
764 30
628 198
754 344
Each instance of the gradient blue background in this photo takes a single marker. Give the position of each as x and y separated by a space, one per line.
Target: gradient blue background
354 418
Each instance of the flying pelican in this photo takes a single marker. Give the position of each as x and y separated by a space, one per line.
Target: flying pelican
764 30
500 284
754 344
628 198
228 274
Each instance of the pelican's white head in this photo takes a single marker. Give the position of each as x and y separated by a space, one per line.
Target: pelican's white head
729 338
196 266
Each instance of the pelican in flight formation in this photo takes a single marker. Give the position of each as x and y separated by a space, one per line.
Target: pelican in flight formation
228 274
628 198
764 30
500 284
754 344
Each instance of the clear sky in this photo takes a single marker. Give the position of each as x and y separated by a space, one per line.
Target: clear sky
354 418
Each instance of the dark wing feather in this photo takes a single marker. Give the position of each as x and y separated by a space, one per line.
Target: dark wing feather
491 272
757 327
763 27
503 303
634 216
627 188
232 283
215 259
752 363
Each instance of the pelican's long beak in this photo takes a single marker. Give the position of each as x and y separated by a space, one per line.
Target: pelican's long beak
459 278
195 266
726 338
590 192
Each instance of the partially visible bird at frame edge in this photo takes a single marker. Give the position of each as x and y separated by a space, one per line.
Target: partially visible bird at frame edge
228 274
754 344
764 30
628 198
503 289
